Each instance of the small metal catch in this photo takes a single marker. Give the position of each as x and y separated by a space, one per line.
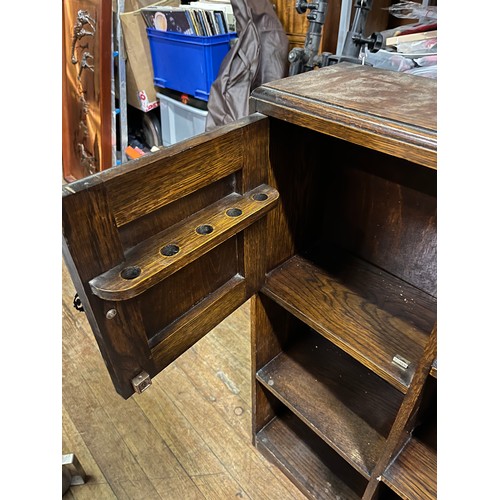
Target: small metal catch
141 382
78 475
400 361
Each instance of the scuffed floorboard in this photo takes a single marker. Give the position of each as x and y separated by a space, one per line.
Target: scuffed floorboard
187 437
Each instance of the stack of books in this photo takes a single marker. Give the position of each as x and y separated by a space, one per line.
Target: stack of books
197 18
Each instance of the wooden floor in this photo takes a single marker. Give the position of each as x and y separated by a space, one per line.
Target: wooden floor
187 437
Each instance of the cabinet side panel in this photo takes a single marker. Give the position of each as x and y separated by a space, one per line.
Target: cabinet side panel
295 172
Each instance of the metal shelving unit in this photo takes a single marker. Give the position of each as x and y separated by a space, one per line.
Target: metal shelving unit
119 85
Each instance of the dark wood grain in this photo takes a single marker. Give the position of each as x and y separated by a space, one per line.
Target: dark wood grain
90 245
164 303
138 230
378 207
153 266
413 475
386 214
405 419
147 333
357 325
366 106
178 170
349 251
313 467
171 342
271 327
252 259
347 405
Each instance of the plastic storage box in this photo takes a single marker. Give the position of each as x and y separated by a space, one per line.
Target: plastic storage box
187 63
179 121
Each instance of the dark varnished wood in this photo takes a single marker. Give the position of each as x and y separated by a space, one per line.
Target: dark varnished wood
413 475
313 467
179 170
189 240
176 338
353 418
91 245
152 325
355 249
359 104
356 324
349 250
405 421
385 210
267 341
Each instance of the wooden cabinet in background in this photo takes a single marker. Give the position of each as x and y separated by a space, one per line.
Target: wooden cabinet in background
321 206
294 24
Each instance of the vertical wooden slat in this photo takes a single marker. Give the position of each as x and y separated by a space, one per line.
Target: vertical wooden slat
255 172
91 245
270 327
404 420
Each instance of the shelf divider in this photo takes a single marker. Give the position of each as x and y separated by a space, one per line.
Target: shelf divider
368 313
307 461
353 418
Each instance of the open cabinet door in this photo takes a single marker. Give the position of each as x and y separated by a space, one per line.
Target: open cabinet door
162 249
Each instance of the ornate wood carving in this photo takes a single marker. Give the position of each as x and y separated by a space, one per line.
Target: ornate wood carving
86 85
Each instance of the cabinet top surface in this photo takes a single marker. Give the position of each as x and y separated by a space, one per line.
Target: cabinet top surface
381 93
387 111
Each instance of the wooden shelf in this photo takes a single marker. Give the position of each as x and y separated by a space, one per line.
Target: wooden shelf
413 475
307 461
355 418
155 259
367 312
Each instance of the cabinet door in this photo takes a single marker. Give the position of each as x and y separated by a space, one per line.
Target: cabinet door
164 248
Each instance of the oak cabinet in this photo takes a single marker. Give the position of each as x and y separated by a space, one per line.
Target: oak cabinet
321 207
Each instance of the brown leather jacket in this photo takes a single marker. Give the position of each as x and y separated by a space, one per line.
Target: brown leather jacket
258 56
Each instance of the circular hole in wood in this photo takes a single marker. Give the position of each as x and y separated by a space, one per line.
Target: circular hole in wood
204 229
169 250
260 197
129 273
234 212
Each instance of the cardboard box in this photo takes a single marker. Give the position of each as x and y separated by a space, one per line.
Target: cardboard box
141 92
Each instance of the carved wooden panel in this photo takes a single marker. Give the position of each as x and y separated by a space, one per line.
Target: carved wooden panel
86 88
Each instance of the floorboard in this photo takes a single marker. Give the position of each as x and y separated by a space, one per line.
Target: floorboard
187 437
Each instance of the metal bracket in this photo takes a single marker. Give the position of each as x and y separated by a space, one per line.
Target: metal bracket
78 475
400 361
141 382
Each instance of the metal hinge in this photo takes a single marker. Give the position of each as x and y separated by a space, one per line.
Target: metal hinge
141 382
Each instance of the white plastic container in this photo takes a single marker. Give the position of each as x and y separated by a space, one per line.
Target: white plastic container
179 121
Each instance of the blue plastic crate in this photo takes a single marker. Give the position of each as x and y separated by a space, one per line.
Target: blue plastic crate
187 63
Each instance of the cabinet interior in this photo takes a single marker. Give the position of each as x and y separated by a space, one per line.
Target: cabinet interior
346 310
